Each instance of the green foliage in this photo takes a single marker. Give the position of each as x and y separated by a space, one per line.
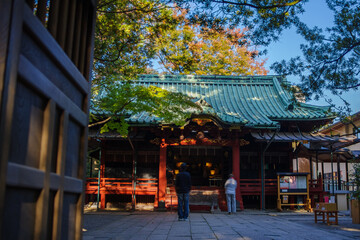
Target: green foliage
331 57
192 49
126 31
116 123
356 180
130 35
122 99
264 19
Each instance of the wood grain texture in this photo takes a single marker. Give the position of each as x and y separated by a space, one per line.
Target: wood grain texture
48 44
70 28
77 33
47 140
60 170
53 17
11 12
43 120
34 77
5 6
61 28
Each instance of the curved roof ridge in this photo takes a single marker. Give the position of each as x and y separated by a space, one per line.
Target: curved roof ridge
222 79
285 96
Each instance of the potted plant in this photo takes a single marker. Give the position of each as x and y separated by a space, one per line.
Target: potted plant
355 194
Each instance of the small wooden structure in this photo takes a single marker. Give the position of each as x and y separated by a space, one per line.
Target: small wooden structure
293 184
326 211
45 63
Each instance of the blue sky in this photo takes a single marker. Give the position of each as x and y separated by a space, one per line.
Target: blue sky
316 14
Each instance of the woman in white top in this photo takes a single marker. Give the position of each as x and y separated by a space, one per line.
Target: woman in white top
230 191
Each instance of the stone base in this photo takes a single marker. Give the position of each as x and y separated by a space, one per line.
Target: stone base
161 207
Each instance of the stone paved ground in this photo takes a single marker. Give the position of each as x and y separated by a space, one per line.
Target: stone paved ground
244 225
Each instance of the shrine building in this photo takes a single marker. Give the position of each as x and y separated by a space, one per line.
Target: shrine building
248 126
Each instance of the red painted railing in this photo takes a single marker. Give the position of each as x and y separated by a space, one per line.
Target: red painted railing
149 186
144 186
316 185
253 186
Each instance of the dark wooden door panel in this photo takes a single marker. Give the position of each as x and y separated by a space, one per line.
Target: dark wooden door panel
45 63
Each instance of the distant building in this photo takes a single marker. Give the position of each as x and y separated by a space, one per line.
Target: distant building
349 128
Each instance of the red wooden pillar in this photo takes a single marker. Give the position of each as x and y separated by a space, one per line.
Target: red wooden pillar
162 172
102 180
236 170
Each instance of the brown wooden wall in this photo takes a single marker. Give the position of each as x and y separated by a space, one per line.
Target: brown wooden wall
45 62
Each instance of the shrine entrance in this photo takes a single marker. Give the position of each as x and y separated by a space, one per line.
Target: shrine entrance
208 165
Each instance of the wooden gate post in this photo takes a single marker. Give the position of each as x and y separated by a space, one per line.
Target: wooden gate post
236 170
44 104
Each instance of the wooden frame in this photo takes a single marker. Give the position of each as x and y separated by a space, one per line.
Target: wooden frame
326 215
280 194
44 116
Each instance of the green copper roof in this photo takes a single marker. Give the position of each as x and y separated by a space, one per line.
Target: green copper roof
252 101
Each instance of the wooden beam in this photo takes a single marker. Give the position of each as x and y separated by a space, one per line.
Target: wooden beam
43 38
236 169
83 38
90 41
70 28
53 17
311 168
338 171
347 173
60 171
61 29
40 82
5 7
162 173
41 10
322 170
317 165
11 12
46 149
102 175
77 33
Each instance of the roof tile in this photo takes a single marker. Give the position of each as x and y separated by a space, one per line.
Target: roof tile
254 101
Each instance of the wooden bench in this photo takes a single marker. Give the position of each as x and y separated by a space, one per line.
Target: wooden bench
326 211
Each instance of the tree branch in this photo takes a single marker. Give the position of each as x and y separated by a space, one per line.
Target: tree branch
347 88
98 123
260 7
136 9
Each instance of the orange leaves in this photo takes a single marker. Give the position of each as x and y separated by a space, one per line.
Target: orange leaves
193 49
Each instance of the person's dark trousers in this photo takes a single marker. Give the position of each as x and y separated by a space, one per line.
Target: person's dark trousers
183 205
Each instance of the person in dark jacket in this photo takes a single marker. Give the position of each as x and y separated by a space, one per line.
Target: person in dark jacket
183 186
